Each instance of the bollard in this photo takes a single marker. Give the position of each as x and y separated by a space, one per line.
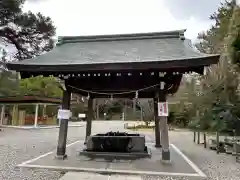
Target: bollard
198 140
205 140
194 136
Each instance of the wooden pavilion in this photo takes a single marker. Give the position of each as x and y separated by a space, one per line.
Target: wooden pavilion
20 118
144 65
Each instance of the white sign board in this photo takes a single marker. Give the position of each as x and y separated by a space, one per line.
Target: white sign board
64 114
163 109
81 115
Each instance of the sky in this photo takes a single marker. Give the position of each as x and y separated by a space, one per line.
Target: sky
96 17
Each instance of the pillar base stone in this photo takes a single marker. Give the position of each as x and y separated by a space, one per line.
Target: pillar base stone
61 157
158 145
167 162
166 155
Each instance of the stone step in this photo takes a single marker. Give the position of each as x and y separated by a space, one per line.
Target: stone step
83 176
94 176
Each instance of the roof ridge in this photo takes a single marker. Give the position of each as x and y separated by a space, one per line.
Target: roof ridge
116 37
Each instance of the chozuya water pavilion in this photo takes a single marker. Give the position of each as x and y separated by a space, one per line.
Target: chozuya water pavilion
146 65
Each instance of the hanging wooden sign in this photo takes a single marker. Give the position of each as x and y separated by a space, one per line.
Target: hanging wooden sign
163 109
64 114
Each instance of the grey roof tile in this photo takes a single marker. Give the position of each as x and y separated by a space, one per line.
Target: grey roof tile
163 46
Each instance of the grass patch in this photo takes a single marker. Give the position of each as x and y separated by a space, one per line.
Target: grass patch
140 127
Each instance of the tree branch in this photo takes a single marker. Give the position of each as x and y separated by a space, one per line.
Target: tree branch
11 36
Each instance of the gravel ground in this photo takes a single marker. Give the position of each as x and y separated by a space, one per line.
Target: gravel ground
215 166
17 146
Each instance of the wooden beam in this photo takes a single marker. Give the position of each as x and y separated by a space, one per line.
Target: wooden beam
114 83
28 70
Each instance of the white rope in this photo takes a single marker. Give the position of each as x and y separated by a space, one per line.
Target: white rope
120 93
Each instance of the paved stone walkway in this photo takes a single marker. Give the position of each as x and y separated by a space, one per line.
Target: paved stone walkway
90 176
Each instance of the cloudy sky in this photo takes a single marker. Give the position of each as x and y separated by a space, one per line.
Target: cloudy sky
92 17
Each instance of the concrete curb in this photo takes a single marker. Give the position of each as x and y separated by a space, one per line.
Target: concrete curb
32 127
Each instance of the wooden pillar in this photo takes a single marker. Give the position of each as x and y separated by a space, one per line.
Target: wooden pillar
134 109
156 120
36 116
125 110
15 115
44 110
2 114
198 137
164 132
165 139
62 137
97 109
141 115
89 118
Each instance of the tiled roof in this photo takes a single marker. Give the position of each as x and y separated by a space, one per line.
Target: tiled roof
128 48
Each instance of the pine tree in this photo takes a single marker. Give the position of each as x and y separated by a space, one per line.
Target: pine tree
31 34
